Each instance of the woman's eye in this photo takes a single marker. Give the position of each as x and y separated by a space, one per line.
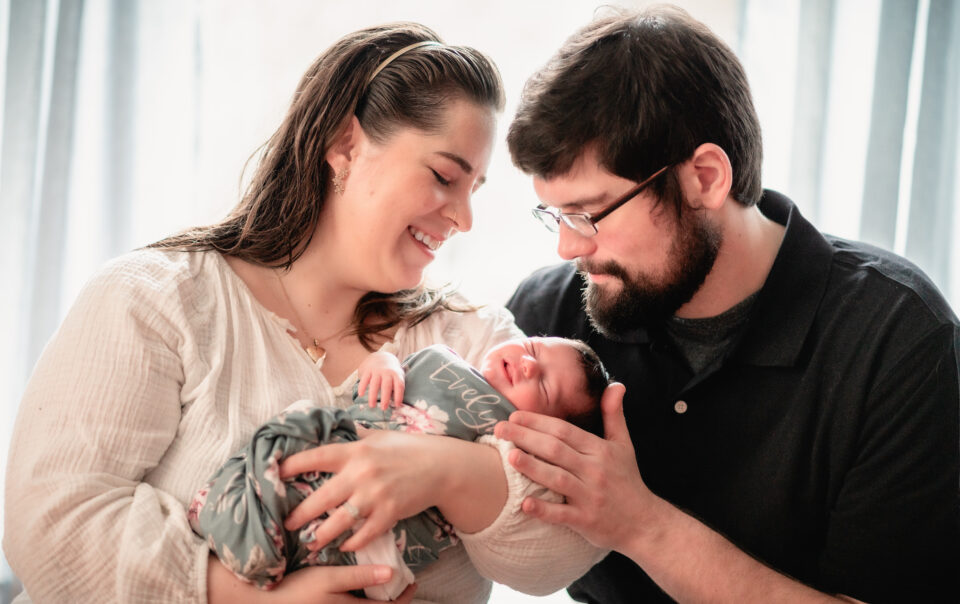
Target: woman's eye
443 181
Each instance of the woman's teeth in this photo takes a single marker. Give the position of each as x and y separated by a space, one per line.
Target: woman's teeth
425 239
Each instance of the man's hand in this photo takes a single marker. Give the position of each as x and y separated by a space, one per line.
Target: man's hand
598 477
608 503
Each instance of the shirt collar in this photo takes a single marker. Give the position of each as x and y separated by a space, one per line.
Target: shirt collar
787 304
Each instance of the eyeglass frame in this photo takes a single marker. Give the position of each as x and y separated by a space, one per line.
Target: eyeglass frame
541 210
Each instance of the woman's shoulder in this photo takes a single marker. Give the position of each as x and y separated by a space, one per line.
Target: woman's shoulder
152 264
148 280
154 271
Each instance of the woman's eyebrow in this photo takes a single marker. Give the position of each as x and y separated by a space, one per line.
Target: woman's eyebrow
464 164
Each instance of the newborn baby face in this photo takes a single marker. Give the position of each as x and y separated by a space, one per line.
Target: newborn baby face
543 375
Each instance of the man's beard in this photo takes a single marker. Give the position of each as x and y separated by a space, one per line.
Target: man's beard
643 299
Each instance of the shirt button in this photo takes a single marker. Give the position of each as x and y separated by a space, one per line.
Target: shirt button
680 407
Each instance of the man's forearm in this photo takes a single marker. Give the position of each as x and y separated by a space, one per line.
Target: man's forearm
693 563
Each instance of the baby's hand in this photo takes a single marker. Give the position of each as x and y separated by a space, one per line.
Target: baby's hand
382 373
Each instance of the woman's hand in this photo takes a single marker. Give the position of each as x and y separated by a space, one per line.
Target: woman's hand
383 374
388 476
598 477
376 474
316 585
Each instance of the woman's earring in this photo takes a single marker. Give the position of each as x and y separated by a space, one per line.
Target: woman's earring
339 180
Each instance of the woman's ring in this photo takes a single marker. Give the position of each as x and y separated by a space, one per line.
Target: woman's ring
351 509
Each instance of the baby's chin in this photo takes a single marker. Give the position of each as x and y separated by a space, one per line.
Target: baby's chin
486 370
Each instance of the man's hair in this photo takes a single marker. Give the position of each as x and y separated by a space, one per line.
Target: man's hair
644 89
596 381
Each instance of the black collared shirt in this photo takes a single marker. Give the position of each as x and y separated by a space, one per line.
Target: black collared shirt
827 445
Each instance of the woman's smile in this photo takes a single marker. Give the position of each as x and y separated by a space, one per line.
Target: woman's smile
432 243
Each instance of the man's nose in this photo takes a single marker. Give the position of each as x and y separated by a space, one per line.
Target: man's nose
571 244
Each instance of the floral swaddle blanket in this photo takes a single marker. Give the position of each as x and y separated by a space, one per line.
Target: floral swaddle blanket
240 511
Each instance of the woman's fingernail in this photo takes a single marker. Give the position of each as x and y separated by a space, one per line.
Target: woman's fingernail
382 575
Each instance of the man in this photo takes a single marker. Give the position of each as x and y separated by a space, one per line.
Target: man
790 425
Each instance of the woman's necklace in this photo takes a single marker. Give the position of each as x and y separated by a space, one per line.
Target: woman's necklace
317 352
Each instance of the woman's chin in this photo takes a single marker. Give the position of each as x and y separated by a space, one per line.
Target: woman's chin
404 279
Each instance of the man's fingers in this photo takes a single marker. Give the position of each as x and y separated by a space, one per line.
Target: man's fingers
554 513
566 432
544 445
551 475
614 422
328 458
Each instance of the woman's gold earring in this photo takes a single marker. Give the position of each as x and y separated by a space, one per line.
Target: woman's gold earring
339 181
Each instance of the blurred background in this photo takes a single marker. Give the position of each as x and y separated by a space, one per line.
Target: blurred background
127 120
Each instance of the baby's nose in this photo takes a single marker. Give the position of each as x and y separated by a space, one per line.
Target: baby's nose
529 366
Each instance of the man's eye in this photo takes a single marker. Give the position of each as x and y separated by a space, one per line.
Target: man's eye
443 181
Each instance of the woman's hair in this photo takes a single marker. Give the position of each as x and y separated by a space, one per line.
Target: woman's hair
277 216
645 89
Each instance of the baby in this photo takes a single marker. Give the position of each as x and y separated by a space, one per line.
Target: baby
241 509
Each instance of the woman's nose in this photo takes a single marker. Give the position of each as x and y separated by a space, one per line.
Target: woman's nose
460 213
571 244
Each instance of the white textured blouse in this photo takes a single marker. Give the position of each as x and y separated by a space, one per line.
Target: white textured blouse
165 365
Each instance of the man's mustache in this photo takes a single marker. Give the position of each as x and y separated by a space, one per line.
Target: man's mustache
602 268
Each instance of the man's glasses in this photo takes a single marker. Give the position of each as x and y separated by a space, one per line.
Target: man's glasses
584 223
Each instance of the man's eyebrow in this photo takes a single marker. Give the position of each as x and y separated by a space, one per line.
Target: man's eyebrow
464 164
582 202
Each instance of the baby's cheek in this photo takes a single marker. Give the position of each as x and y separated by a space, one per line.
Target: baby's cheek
526 399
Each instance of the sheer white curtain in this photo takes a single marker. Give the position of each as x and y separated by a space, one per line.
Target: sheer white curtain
860 105
126 120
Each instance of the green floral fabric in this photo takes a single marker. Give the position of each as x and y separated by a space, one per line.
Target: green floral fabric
240 511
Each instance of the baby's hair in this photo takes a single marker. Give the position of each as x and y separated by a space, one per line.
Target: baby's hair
597 379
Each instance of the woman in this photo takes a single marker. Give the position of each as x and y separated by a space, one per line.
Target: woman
172 355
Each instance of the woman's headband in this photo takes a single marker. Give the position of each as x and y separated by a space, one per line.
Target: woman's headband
403 50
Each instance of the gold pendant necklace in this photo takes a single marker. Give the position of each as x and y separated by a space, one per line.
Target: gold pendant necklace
316 352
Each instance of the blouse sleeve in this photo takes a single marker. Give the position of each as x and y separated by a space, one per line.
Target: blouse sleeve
518 550
99 412
525 553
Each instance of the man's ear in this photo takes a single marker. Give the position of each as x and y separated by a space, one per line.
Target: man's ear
706 178
343 150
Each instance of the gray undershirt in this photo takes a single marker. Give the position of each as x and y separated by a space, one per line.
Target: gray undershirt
703 342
